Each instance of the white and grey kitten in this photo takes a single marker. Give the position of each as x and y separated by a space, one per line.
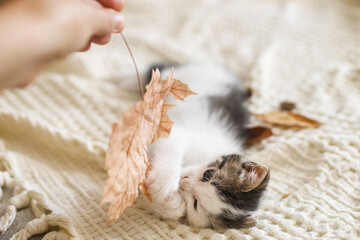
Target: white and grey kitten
200 173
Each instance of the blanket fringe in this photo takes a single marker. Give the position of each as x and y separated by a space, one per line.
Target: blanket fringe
45 219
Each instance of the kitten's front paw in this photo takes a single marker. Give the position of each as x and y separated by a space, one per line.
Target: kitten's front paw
161 186
166 199
172 207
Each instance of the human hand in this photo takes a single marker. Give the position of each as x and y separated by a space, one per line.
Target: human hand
35 32
116 5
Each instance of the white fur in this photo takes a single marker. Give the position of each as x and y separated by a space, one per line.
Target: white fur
195 141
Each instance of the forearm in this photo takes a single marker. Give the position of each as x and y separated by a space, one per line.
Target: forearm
20 42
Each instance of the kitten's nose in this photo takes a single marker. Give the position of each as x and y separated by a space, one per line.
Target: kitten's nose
184 182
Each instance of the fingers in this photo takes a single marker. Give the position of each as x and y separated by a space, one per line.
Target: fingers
26 83
25 79
101 39
117 5
119 23
87 47
104 20
107 21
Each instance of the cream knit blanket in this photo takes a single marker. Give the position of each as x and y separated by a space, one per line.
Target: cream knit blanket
54 134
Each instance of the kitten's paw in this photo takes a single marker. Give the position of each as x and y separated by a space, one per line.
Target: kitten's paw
166 199
161 186
172 207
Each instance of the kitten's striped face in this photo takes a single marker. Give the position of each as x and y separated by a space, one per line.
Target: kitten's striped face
224 193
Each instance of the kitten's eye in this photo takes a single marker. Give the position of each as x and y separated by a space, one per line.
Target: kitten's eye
207 175
195 204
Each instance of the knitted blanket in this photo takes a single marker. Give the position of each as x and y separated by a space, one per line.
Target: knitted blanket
54 134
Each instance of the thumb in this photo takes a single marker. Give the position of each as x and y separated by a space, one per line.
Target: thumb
107 21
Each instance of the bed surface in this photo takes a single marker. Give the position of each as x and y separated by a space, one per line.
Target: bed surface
54 134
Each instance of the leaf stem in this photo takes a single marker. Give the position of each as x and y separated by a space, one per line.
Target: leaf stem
136 69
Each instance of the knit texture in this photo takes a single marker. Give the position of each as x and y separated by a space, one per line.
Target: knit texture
55 133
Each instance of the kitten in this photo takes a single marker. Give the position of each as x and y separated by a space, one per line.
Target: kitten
199 173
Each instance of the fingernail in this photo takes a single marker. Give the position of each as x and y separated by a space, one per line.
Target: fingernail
119 23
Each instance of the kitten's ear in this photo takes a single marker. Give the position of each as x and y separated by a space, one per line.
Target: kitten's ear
254 175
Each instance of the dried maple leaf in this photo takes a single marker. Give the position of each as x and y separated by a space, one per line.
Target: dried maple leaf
288 119
287 106
256 134
126 159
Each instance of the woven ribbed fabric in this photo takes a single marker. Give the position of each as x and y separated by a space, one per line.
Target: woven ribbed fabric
55 133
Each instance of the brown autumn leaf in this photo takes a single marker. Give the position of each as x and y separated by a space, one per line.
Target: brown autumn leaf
287 106
288 119
256 134
126 159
